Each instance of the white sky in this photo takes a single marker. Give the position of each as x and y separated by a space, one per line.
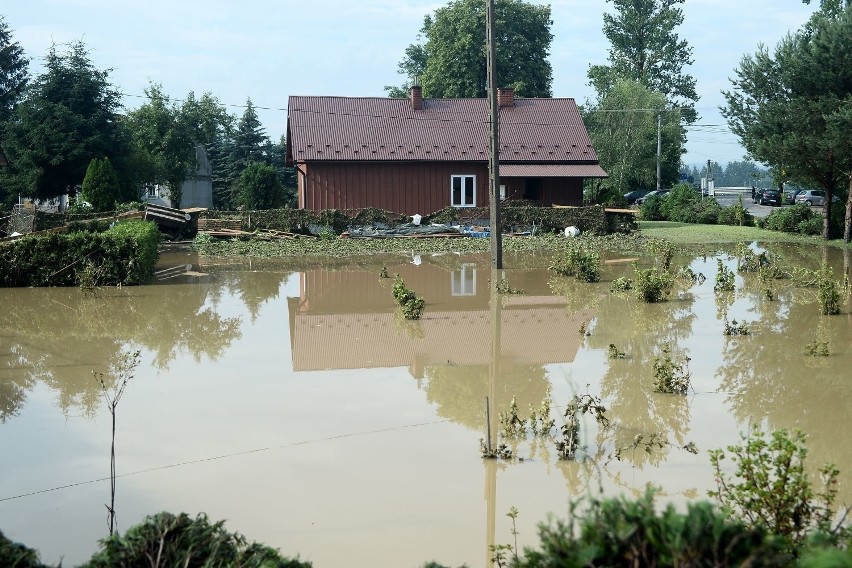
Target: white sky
271 49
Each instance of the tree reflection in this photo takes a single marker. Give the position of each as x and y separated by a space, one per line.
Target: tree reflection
459 391
641 330
15 382
58 336
768 377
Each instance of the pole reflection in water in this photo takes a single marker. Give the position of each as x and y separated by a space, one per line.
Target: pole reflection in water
495 303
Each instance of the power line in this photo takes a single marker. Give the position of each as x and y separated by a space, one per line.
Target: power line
224 456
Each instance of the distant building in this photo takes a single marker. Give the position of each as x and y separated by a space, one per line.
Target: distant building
197 189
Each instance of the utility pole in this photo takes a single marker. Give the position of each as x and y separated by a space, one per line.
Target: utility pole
494 145
710 189
659 146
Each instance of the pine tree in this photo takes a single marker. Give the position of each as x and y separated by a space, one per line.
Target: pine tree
14 73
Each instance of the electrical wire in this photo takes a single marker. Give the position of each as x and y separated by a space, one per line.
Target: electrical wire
225 456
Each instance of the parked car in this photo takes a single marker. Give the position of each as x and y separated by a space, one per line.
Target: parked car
655 193
790 196
770 197
636 194
814 197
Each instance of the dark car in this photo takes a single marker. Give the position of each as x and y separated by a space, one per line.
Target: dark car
790 196
769 197
655 193
632 196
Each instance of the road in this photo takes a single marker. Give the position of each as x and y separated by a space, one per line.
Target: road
727 199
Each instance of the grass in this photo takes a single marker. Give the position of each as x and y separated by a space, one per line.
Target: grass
688 233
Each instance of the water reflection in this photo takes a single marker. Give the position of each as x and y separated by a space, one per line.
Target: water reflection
334 414
346 319
58 336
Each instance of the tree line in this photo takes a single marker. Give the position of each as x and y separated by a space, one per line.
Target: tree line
65 131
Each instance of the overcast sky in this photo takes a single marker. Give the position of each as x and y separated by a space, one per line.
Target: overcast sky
270 49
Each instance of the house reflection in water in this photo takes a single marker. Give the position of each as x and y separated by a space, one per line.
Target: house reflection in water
347 320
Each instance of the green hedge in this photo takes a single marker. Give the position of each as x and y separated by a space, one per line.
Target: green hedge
44 221
122 255
592 220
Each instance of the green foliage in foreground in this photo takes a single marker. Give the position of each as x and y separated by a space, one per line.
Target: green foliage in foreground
125 254
622 532
771 489
17 555
165 539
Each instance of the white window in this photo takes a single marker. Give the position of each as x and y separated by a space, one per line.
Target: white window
463 191
502 192
463 280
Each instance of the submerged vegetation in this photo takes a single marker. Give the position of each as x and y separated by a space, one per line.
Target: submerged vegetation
671 375
584 264
409 303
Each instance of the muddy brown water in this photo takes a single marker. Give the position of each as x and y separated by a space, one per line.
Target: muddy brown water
293 401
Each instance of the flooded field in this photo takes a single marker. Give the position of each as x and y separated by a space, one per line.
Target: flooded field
295 403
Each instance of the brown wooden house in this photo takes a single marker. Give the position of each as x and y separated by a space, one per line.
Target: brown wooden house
420 155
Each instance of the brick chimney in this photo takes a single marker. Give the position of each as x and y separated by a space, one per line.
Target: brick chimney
505 97
416 97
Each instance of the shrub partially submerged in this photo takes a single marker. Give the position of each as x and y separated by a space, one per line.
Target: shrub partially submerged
583 264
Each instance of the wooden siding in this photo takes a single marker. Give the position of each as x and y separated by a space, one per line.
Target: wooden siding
401 188
409 188
562 191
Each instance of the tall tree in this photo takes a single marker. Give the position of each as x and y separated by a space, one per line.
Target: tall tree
249 140
206 118
792 108
645 47
623 129
67 117
163 141
276 156
14 72
740 173
452 62
232 156
14 75
165 133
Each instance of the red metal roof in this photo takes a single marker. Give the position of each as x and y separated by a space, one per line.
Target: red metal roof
382 129
552 170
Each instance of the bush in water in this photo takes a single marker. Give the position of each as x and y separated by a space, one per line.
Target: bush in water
125 255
